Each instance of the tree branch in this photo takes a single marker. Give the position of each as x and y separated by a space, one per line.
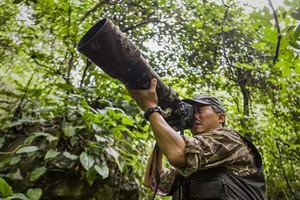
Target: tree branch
283 170
18 110
278 32
88 64
89 12
141 24
223 34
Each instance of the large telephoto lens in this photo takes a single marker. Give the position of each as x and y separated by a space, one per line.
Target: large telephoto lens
108 47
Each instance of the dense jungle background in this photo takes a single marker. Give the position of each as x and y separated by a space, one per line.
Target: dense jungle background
69 131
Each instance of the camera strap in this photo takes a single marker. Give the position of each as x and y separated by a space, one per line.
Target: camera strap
178 195
157 173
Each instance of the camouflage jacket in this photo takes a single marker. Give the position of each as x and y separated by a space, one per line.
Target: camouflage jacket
221 147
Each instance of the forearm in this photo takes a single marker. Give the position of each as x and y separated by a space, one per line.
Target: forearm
169 141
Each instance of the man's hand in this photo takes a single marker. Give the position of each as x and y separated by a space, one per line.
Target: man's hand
145 98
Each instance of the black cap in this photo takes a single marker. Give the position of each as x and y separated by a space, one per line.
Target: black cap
207 99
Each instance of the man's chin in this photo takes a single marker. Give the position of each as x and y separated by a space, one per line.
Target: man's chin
198 131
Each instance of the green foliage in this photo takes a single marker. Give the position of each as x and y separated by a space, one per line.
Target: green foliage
68 130
5 189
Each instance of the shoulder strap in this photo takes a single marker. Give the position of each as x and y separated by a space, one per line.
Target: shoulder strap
258 158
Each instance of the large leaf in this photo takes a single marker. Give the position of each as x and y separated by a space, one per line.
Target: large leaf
102 169
34 193
5 189
86 160
51 154
37 173
27 149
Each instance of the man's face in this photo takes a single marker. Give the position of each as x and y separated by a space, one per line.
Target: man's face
206 119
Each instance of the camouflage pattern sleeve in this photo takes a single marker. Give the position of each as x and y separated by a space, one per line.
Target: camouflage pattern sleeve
221 147
167 177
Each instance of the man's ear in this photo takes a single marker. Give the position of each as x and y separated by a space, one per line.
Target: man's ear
222 117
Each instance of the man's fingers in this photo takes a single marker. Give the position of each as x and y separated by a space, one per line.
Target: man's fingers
153 84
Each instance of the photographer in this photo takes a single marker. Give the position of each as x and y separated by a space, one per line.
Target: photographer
216 163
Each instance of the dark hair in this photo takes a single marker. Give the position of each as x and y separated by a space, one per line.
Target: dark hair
218 111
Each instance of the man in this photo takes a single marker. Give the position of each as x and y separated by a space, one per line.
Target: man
216 163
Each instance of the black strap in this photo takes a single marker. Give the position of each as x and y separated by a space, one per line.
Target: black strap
178 183
177 188
157 173
151 111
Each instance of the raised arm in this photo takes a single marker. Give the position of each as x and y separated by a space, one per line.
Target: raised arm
170 142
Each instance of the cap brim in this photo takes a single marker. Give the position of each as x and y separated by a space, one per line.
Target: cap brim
195 102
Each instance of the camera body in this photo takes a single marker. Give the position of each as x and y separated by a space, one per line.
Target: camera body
106 46
183 117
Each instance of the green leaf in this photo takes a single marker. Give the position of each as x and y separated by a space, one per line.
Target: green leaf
296 14
112 152
48 136
87 161
64 86
27 149
286 71
294 44
34 193
97 127
29 139
5 162
37 173
246 66
70 156
5 189
102 169
18 196
297 33
264 66
100 138
51 154
73 141
16 175
15 160
69 131
91 176
297 66
282 64
117 133
127 121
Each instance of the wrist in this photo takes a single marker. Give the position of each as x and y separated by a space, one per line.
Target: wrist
152 110
147 107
